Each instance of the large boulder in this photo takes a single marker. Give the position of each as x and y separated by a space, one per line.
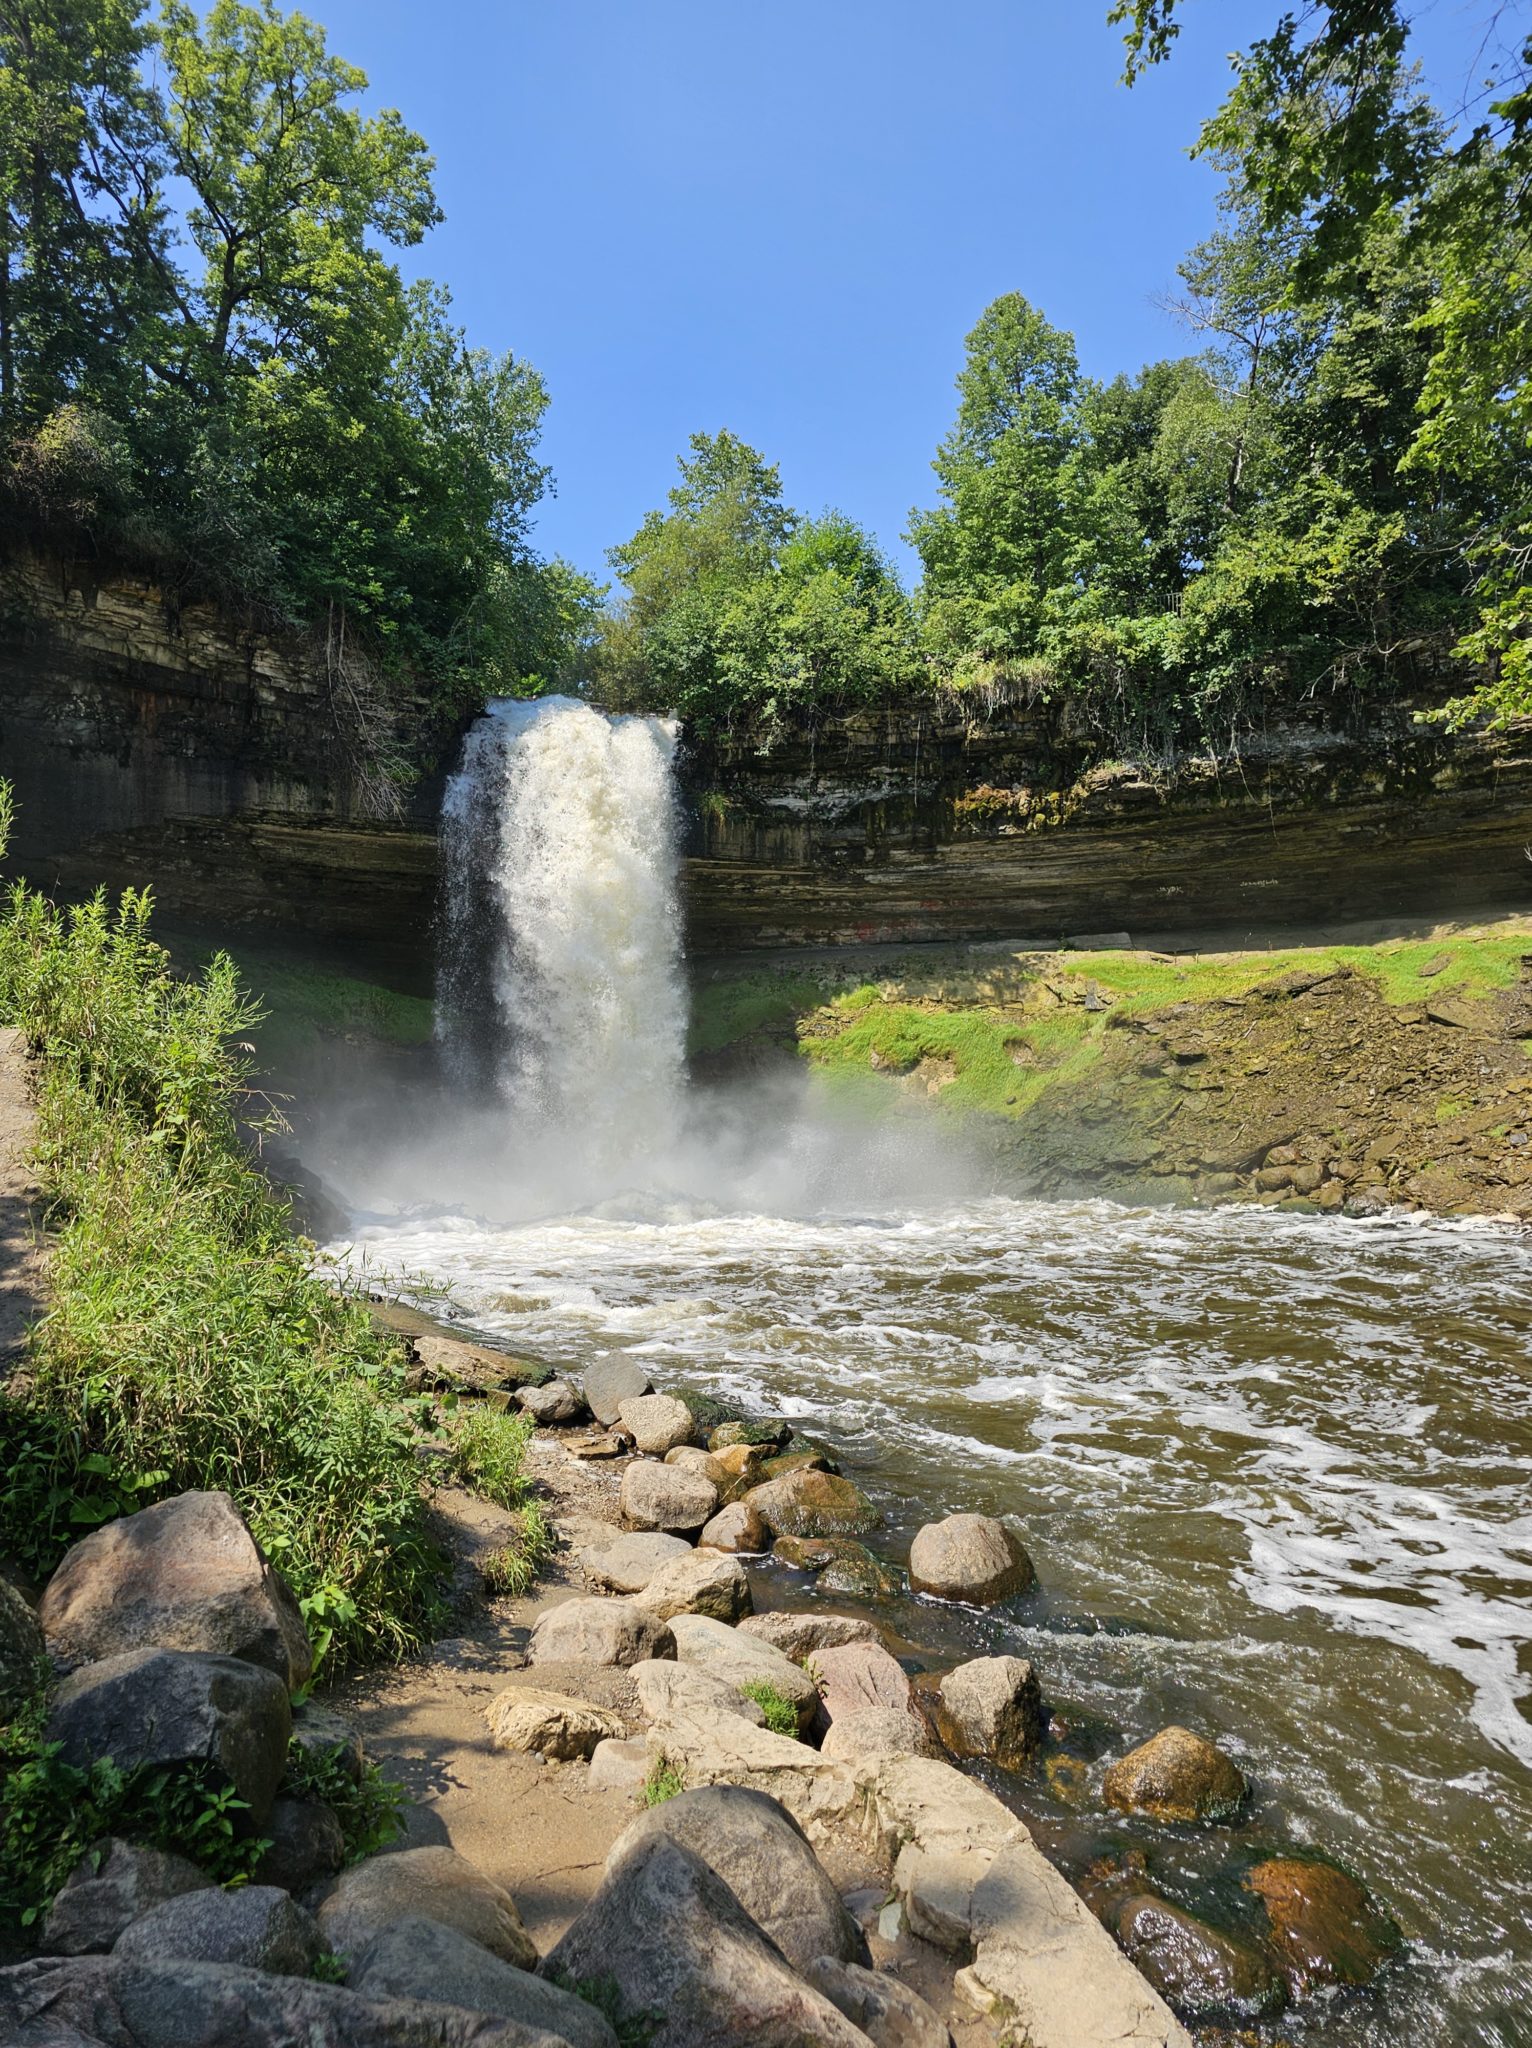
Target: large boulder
741 1661
738 1527
991 1707
1176 1776
856 1677
701 1582
671 1497
872 1732
625 1562
256 1925
972 1558
449 1363
428 1884
526 1718
888 2012
304 1843
657 1423
1325 1927
667 1690
22 1651
802 1635
1203 1972
179 1707
415 1958
554 1403
185 1574
845 1569
599 1632
753 1843
108 1889
682 1952
813 1503
611 1381
96 2000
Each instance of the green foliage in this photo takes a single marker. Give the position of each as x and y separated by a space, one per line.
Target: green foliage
52 1813
190 1343
209 361
663 1782
368 1808
511 1569
738 607
633 2030
781 1714
488 1452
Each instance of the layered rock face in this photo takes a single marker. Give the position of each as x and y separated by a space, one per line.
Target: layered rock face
151 743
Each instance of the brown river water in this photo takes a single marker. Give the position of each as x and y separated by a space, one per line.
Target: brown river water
1273 1471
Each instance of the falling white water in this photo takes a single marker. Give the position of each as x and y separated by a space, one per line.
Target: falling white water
560 980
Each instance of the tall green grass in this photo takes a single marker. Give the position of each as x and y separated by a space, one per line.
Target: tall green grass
189 1343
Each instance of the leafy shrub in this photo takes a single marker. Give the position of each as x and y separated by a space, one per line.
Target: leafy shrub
488 1453
512 1568
190 1343
368 1809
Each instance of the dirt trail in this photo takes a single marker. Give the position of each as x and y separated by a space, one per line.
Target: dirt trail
23 1258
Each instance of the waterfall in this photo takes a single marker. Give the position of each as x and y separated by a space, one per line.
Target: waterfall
559 981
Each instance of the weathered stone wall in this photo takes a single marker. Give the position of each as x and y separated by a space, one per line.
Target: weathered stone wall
151 743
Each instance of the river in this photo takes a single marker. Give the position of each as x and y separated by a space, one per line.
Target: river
1272 1470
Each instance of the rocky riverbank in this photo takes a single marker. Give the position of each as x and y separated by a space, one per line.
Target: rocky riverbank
647 1805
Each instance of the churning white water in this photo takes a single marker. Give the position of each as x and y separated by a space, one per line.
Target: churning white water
560 979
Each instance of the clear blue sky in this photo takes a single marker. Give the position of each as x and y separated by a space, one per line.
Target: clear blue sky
782 216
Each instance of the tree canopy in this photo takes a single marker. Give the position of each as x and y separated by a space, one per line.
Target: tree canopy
209 358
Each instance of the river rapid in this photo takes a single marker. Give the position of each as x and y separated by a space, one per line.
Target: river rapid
1272 1471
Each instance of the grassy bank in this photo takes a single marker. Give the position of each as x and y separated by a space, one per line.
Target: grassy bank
189 1341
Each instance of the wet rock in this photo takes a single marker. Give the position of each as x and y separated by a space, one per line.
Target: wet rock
526 1718
415 1958
764 1857
707 1413
305 1843
611 1381
813 1503
736 1528
431 1884
185 1574
677 1944
759 1435
1204 1973
888 2012
1176 1776
553 1404
627 1562
701 1582
799 1635
599 1632
743 1465
109 1888
972 1558
447 1363
667 1690
666 1497
846 1569
324 1733
873 1732
92 2000
256 1925
22 1651
854 1678
621 1766
741 1660
1324 1926
991 1707
177 1707
656 1422
801 1457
